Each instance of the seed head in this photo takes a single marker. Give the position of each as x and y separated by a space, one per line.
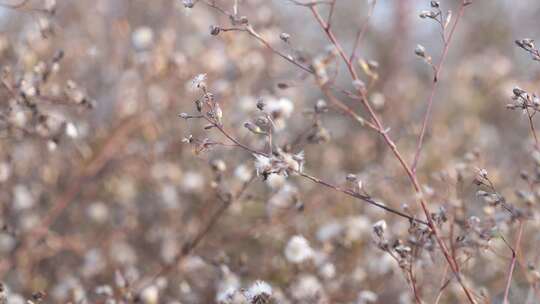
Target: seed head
214 30
420 51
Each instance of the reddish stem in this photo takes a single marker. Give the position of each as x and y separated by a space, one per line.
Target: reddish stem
438 69
515 253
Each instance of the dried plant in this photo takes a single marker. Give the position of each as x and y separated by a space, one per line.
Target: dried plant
248 151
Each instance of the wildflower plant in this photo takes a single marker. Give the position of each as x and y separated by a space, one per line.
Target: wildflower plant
291 151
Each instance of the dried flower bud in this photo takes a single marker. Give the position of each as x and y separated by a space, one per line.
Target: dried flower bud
184 115
321 106
39 296
420 51
262 122
188 3
483 173
188 140
282 85
253 128
379 228
198 82
526 43
260 104
217 113
74 93
402 250
214 30
518 91
284 37
481 193
535 101
218 165
427 14
198 105
351 177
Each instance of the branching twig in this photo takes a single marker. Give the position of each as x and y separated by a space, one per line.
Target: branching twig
379 126
362 31
364 198
397 154
437 70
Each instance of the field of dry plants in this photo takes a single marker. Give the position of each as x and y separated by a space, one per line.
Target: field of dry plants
269 151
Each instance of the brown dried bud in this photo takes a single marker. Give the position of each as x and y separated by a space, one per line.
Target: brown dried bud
284 37
260 104
218 165
214 30
282 85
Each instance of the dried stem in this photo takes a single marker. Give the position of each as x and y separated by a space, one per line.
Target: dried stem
331 13
515 253
349 192
533 130
412 278
361 32
379 127
346 109
397 154
249 29
359 196
437 70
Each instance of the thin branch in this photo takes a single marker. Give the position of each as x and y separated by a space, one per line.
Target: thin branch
395 151
533 130
379 126
443 285
331 13
359 196
213 5
249 29
362 31
413 285
437 69
311 3
349 192
346 109
445 282
515 252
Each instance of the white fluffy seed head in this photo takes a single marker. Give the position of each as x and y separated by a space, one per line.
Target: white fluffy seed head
259 292
298 250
